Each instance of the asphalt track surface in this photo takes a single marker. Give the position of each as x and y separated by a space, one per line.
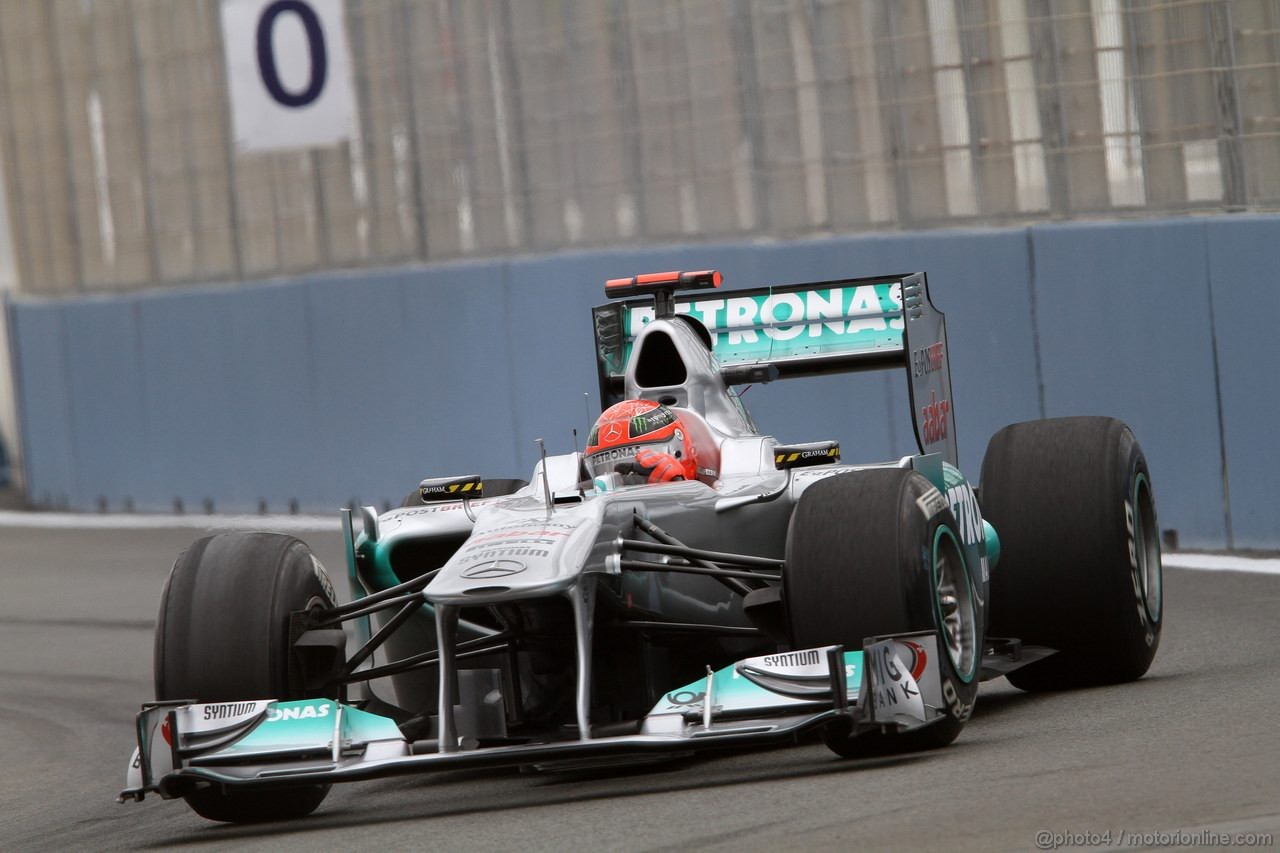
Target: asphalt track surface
1193 746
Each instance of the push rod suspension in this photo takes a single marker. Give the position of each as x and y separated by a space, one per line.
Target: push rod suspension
388 597
467 649
647 526
688 628
646 566
379 638
387 604
699 554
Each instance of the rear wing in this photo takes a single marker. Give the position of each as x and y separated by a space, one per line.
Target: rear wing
811 329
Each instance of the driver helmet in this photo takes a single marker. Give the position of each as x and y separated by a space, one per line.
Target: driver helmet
632 426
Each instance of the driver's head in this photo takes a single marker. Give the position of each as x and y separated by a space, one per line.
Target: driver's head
631 428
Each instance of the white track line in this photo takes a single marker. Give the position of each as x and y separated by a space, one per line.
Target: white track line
1222 563
93 521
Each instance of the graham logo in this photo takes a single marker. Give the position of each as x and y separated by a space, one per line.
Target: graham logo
495 569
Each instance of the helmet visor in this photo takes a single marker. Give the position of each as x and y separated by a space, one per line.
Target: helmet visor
609 461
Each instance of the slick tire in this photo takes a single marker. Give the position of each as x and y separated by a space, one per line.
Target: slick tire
1079 570
864 560
222 635
492 489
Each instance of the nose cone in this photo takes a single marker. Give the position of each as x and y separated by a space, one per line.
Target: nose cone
517 555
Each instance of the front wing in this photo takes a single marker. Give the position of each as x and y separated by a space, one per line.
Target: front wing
892 684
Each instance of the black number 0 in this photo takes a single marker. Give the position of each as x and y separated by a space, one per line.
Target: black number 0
315 47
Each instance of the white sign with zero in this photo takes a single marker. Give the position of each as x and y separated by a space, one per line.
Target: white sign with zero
289 73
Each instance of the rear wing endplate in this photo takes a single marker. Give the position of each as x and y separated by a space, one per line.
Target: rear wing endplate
811 329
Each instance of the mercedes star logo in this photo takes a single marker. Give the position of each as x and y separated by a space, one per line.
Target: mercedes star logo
495 569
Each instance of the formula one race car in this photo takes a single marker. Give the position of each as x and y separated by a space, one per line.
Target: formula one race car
685 584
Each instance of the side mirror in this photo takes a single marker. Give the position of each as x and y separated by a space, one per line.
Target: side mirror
451 488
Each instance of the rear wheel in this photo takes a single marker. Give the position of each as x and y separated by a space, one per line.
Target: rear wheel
222 634
1079 570
865 558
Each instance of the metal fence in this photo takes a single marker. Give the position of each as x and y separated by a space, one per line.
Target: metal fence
498 126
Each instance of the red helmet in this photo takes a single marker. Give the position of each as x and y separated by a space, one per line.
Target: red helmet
633 426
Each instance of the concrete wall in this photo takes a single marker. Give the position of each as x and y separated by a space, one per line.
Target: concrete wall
333 387
496 127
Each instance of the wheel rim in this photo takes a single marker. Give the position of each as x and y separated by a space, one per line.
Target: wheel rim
1148 542
953 595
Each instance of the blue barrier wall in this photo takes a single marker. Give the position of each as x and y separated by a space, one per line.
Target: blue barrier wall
344 386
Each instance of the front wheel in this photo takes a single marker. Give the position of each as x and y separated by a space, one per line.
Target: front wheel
877 552
222 635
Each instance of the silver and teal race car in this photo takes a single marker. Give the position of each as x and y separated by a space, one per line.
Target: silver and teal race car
580 619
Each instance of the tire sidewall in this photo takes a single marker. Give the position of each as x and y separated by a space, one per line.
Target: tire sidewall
1138 624
959 690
